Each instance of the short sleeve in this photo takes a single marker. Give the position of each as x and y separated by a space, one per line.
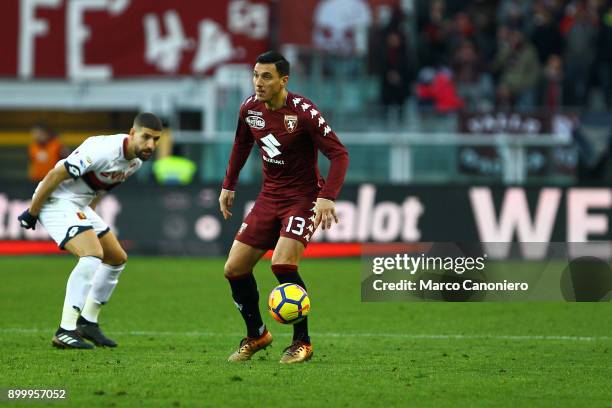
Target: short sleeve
82 159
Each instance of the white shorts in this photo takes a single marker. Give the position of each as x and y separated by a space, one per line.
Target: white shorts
64 220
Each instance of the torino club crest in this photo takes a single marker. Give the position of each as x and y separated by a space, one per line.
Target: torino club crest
291 122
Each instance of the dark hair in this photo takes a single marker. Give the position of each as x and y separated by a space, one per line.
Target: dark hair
276 58
148 120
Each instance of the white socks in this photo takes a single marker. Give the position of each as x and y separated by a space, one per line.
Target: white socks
104 282
79 285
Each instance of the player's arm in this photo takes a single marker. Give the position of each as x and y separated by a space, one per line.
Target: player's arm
328 143
53 179
243 143
74 166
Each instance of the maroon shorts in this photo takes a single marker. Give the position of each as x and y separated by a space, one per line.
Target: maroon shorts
272 218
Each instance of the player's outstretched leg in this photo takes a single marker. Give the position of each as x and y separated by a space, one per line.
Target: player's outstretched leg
104 282
239 273
300 349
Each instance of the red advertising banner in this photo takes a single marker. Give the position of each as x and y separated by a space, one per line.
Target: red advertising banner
102 39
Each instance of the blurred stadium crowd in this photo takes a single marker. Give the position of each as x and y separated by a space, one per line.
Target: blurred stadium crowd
507 54
386 73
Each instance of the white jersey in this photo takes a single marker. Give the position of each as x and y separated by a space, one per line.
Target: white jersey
97 165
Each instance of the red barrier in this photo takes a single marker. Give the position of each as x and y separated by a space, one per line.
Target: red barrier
29 248
329 250
314 250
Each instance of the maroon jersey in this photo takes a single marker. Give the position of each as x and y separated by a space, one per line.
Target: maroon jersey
288 139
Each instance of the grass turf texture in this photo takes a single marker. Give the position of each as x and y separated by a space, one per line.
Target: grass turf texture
176 324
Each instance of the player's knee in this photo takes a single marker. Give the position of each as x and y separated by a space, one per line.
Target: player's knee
284 259
85 247
95 252
232 270
116 257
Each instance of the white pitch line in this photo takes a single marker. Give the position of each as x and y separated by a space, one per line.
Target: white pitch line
405 336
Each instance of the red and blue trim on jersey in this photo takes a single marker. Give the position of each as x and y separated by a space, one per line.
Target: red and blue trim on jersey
96 184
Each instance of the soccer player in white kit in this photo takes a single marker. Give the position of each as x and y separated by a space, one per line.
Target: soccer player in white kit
64 202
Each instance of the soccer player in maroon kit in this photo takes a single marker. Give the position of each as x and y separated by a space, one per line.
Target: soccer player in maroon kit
294 199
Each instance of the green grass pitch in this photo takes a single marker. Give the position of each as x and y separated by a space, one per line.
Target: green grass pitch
176 324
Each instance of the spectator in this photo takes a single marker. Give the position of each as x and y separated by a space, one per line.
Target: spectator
512 13
604 56
460 29
170 169
519 71
579 56
396 71
474 85
545 34
434 37
482 13
44 151
552 84
437 89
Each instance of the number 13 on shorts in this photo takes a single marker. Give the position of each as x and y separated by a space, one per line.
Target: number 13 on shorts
296 225
298 222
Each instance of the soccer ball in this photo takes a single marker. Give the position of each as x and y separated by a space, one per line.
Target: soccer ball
288 303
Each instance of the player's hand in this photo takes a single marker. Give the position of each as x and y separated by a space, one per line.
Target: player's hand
226 200
325 213
27 220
